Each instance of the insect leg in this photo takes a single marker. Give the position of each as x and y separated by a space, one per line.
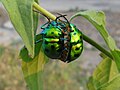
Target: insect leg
38 41
43 26
63 17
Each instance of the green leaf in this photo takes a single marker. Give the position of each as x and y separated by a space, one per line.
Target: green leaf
24 55
21 15
113 84
105 72
35 19
116 56
33 71
33 68
97 18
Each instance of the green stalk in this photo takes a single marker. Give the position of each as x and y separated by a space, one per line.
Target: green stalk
43 11
85 38
96 45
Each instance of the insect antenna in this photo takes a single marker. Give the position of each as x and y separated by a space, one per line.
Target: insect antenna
58 18
38 41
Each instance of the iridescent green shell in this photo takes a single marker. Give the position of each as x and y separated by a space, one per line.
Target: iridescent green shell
52 45
62 41
76 43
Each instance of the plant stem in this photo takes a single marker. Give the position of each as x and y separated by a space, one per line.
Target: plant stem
96 45
87 39
43 11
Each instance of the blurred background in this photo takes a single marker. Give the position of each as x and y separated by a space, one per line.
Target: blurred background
58 75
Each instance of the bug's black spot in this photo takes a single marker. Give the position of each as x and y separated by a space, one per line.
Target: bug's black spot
46 50
78 41
74 34
72 30
77 48
76 55
81 37
59 33
52 46
52 32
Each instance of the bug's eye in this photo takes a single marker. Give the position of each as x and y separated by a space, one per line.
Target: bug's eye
77 48
81 37
52 32
74 34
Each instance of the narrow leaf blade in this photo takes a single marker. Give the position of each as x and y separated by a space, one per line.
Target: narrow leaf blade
97 19
116 56
104 73
113 84
33 68
21 15
35 19
33 71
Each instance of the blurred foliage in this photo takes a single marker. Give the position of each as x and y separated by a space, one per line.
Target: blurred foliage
25 23
63 76
10 71
1 50
57 75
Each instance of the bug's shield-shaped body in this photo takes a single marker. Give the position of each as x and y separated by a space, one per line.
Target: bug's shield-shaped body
73 46
76 43
62 40
52 45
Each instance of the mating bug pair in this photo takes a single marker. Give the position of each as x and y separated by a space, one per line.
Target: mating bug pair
61 40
